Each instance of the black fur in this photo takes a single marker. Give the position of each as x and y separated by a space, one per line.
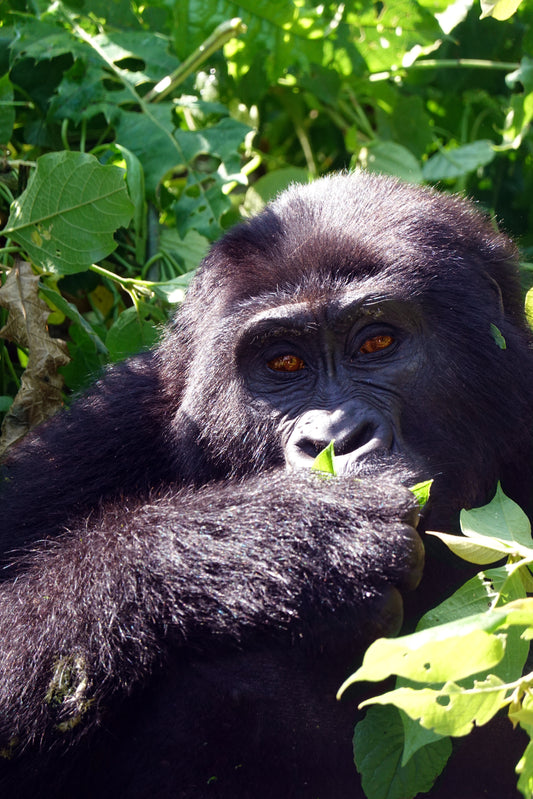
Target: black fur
180 601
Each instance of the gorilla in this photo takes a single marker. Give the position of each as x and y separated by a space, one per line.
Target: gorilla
181 594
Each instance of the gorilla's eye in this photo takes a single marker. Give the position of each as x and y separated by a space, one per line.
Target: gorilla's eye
286 363
375 344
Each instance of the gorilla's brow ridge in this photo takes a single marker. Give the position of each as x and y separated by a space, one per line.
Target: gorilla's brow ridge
305 315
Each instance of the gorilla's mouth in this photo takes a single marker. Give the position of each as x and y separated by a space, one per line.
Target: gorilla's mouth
383 462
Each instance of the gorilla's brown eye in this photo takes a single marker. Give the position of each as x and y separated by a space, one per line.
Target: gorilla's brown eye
286 363
375 344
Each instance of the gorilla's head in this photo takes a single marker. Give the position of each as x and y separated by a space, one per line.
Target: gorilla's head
382 316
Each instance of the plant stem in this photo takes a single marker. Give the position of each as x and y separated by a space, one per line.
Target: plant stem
222 34
447 63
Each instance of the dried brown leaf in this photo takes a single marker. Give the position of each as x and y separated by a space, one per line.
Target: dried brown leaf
39 395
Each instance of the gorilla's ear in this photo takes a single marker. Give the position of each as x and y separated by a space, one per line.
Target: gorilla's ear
496 289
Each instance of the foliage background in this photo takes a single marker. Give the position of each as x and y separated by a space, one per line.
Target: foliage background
208 108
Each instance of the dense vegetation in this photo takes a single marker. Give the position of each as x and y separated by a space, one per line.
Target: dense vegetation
209 108
133 134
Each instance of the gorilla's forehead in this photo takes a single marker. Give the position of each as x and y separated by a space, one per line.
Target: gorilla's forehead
333 309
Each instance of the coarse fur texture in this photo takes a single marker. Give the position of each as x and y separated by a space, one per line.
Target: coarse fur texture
181 598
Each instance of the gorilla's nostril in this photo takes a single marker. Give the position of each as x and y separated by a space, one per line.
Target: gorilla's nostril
311 447
355 439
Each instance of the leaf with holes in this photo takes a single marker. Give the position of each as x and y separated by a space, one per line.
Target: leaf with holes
450 710
66 218
423 657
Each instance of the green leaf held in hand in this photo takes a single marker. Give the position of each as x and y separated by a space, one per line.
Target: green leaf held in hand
324 461
422 491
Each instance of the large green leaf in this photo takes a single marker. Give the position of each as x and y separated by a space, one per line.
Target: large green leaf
378 745
501 518
66 218
454 162
388 32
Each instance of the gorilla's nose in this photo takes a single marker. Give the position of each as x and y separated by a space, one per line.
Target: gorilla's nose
355 436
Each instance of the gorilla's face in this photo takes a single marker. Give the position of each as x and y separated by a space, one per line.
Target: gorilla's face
333 370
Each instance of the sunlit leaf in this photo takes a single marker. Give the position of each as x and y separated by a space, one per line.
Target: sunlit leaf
67 216
475 549
422 657
501 518
499 9
451 710
525 769
422 491
324 460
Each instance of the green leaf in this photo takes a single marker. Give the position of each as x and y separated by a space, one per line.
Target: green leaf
66 218
132 332
270 185
474 549
390 158
378 745
525 770
518 612
422 657
455 162
475 596
386 39
497 336
135 184
202 206
522 713
173 291
502 518
522 78
187 251
42 40
324 461
499 9
284 34
422 491
529 307
517 122
450 710
72 312
109 69
84 363
484 590
415 736
160 147
5 403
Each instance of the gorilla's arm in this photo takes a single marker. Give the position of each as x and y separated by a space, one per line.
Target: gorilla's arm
95 610
109 441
